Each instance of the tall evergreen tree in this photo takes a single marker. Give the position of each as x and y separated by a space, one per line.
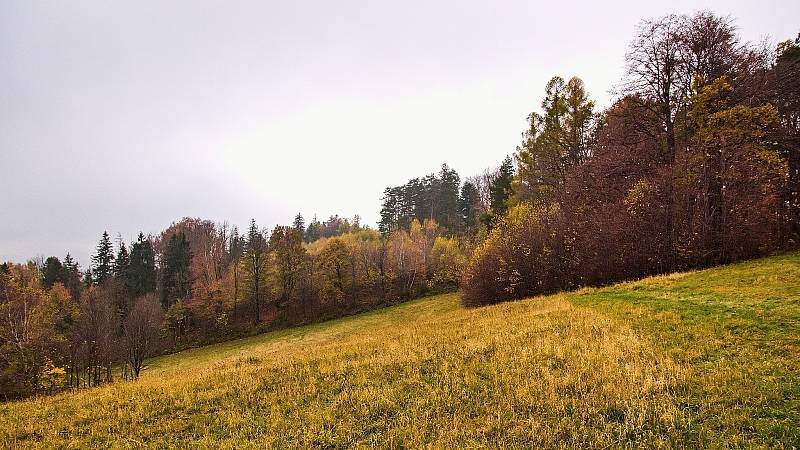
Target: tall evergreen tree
255 267
142 268
52 272
122 264
313 231
299 223
88 278
390 210
501 190
468 207
176 280
103 260
72 276
446 196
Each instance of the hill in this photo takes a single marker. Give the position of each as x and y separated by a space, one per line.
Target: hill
704 358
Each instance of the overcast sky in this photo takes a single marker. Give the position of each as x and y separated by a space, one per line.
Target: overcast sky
127 116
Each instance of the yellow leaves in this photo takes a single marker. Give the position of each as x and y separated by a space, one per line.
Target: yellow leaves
719 124
447 261
52 378
639 195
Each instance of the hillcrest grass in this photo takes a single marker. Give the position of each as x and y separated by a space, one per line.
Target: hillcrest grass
706 358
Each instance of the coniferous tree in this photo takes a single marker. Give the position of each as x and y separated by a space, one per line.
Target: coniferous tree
390 210
122 264
235 250
255 267
103 260
468 207
555 141
72 276
176 280
142 269
501 190
313 230
299 223
52 272
88 278
446 196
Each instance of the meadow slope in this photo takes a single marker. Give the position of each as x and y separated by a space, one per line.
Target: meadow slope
705 358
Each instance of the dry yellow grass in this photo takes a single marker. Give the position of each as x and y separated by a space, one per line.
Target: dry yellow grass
568 370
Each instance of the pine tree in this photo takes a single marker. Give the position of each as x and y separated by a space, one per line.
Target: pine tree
72 276
122 264
467 206
299 223
446 196
142 268
177 281
88 278
103 260
501 190
255 266
313 230
52 272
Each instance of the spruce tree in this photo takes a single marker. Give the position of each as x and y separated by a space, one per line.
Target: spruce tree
176 280
52 272
467 206
122 263
142 269
255 267
299 223
72 276
313 230
103 260
501 190
446 196
88 278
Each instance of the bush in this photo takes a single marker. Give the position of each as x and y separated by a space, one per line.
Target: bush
520 257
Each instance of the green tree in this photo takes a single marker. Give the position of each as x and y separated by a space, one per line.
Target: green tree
313 230
72 276
299 223
122 264
554 142
254 267
446 199
52 272
88 278
500 192
468 207
177 279
103 260
142 269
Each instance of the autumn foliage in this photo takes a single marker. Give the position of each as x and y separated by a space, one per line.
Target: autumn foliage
695 165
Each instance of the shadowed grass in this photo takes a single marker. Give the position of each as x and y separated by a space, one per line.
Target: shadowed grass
706 358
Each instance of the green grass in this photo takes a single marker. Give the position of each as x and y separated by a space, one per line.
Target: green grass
701 359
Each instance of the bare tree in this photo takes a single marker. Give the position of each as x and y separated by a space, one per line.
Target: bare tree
140 332
656 73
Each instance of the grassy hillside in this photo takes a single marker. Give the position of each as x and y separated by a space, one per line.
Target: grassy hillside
707 358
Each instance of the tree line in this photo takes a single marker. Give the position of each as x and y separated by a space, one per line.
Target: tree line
696 163
199 282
